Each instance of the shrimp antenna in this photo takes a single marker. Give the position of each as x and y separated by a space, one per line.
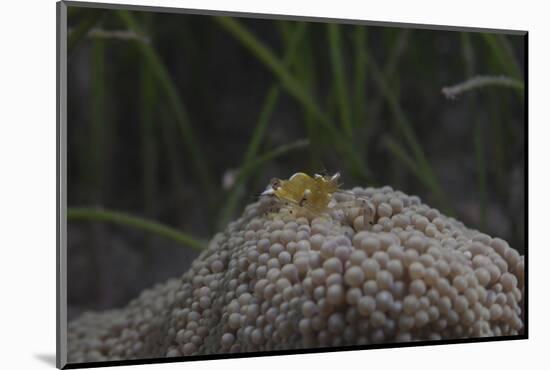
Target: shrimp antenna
323 170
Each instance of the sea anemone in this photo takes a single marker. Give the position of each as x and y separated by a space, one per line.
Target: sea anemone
277 279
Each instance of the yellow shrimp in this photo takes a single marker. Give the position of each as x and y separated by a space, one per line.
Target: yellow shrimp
311 193
303 195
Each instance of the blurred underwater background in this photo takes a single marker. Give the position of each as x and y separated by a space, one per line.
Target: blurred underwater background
176 122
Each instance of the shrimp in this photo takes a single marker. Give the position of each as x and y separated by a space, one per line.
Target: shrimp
308 196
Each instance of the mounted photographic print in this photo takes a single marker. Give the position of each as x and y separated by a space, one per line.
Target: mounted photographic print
237 185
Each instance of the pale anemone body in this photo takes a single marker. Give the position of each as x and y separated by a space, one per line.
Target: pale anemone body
278 281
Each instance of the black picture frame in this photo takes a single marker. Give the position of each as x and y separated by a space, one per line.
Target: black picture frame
61 215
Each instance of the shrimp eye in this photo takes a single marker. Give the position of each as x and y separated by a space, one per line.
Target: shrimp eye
275 183
305 197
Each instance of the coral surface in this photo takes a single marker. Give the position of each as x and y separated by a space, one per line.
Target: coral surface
376 266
